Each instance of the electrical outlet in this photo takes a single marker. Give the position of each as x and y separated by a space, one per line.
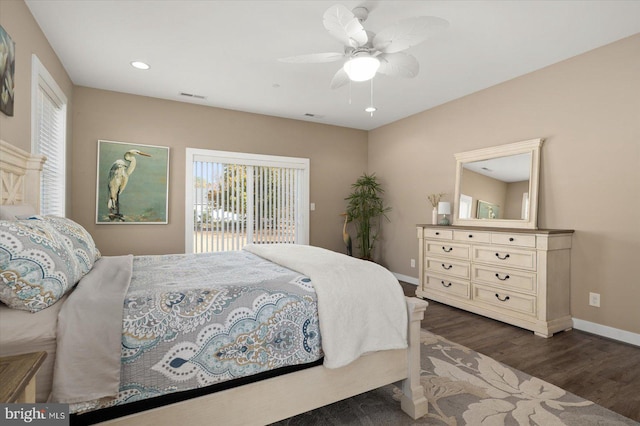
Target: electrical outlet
413 263
594 299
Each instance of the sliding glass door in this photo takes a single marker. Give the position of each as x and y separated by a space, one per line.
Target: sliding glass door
234 198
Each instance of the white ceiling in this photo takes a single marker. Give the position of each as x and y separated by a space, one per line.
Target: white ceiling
227 51
512 168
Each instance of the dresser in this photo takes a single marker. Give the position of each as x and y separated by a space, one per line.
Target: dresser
518 276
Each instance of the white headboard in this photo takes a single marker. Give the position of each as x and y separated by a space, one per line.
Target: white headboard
19 176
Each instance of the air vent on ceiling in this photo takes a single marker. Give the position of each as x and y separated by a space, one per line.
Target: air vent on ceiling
310 115
191 95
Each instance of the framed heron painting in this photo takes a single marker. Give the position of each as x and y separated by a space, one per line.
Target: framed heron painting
132 183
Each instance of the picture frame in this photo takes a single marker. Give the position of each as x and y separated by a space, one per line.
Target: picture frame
7 72
487 210
132 183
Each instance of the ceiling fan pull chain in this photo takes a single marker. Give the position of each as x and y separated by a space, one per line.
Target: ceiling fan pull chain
371 108
350 84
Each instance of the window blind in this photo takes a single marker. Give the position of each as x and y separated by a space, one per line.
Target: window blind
49 138
237 201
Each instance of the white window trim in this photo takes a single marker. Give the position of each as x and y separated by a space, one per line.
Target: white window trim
40 77
192 154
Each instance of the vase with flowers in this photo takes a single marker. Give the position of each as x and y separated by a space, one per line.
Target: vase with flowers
434 199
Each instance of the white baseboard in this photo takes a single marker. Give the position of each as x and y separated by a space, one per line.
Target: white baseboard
606 331
406 278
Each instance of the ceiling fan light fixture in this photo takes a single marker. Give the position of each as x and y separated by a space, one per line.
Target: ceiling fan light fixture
362 67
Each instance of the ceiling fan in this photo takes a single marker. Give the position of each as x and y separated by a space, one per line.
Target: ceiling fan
367 53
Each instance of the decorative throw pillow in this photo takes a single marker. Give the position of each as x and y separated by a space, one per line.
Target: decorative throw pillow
78 238
37 265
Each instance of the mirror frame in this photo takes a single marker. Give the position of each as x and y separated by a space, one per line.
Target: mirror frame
529 146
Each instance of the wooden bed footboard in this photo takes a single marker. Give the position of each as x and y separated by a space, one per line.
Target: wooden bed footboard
281 397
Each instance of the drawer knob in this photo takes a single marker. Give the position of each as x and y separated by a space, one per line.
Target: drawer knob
502 300
437 233
511 239
445 284
506 256
470 235
447 267
506 277
447 250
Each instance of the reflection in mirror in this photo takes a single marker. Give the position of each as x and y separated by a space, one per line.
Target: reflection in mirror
498 186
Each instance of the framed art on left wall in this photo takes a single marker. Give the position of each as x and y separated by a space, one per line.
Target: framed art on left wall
7 72
132 184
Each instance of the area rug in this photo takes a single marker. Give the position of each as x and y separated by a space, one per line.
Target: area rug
465 387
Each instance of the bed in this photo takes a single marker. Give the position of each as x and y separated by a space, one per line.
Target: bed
340 367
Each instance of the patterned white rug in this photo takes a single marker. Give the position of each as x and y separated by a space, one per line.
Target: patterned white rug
465 387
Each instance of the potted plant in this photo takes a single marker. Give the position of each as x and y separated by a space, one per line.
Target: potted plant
365 208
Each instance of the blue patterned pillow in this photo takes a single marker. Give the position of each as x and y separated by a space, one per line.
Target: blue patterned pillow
37 265
80 240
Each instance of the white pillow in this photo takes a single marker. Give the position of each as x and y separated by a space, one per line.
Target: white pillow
16 211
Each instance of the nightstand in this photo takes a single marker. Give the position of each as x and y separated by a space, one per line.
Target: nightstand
18 377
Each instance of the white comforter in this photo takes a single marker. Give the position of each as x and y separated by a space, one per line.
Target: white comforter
361 305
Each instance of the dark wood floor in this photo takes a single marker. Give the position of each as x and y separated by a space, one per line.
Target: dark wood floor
601 370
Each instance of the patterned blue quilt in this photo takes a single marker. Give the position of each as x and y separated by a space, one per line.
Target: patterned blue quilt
195 320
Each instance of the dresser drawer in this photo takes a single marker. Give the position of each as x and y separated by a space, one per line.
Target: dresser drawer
506 278
514 240
446 249
439 234
505 300
447 286
505 256
447 267
472 236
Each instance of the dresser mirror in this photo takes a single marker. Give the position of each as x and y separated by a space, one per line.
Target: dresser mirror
498 186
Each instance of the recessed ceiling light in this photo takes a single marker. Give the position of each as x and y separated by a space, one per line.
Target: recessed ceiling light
140 65
371 109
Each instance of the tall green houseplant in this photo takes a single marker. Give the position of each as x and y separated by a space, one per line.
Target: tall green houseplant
365 209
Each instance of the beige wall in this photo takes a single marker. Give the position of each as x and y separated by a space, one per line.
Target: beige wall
588 110
337 157
18 22
513 200
483 188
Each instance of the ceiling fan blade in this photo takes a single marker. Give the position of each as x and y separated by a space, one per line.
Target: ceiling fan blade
398 64
313 58
343 25
339 79
407 33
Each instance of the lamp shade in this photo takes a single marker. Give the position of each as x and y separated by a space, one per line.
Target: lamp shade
444 207
362 67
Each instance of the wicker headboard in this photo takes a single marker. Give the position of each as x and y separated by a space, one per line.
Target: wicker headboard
19 176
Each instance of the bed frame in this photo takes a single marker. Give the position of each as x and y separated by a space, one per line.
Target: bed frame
269 400
19 176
